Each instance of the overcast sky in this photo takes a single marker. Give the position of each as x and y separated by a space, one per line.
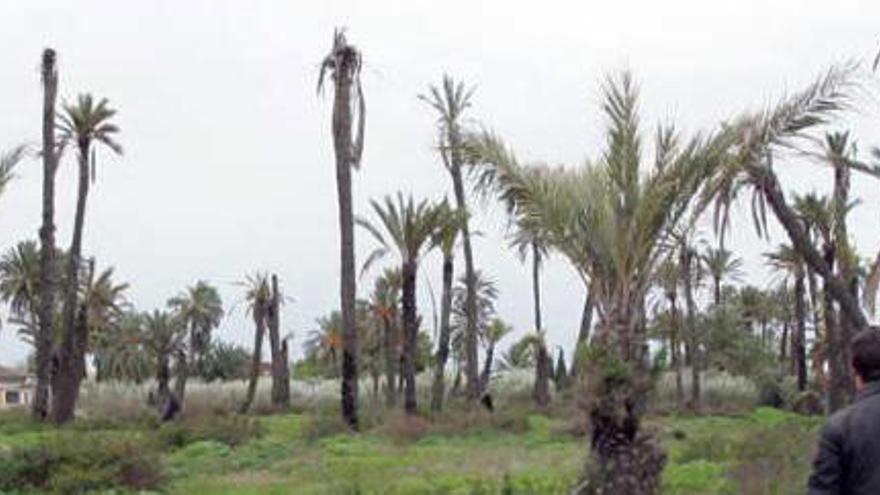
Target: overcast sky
228 165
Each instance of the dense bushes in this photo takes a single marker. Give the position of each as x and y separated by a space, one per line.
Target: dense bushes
68 462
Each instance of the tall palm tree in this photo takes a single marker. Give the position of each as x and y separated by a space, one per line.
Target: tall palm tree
201 310
48 267
451 101
83 125
613 223
164 337
343 64
790 262
491 335
407 228
258 295
691 277
451 222
721 264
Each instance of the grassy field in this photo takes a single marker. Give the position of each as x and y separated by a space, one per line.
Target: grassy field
762 452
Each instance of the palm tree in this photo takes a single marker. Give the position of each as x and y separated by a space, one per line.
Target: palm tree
343 63
408 228
19 280
7 165
721 264
201 310
48 267
258 296
668 279
491 335
691 275
450 102
164 337
119 350
384 303
751 168
790 262
280 365
451 222
83 125
613 224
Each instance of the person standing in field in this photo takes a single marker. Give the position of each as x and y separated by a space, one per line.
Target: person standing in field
848 459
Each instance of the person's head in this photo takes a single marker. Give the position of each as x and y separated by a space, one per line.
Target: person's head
865 348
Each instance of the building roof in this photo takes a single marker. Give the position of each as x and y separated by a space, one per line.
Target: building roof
8 375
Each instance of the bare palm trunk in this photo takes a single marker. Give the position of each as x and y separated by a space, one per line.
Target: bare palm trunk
847 325
48 278
280 390
799 348
541 392
259 324
390 356
182 366
470 340
486 374
686 275
342 140
163 375
783 345
410 333
675 344
583 337
66 385
438 387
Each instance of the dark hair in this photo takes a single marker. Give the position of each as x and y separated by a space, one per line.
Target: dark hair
866 354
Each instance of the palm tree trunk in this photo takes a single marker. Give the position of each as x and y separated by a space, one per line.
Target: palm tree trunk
256 361
342 141
163 374
410 331
799 345
716 287
66 385
48 277
847 326
390 362
583 336
279 398
182 365
470 340
438 387
769 184
783 344
686 274
675 340
486 374
541 392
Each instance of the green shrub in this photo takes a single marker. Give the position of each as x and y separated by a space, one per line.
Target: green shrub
232 430
71 462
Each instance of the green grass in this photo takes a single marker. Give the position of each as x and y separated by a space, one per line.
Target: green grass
763 452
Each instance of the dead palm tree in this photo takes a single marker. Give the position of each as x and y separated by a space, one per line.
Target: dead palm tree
83 125
343 64
408 229
450 101
48 266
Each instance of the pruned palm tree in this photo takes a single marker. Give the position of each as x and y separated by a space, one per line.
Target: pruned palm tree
83 125
48 264
201 310
451 222
451 100
164 336
406 228
613 223
258 296
721 264
343 65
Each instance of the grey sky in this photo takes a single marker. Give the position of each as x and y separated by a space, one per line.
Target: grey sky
228 166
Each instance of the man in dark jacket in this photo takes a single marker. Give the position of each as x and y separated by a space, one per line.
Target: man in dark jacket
848 460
